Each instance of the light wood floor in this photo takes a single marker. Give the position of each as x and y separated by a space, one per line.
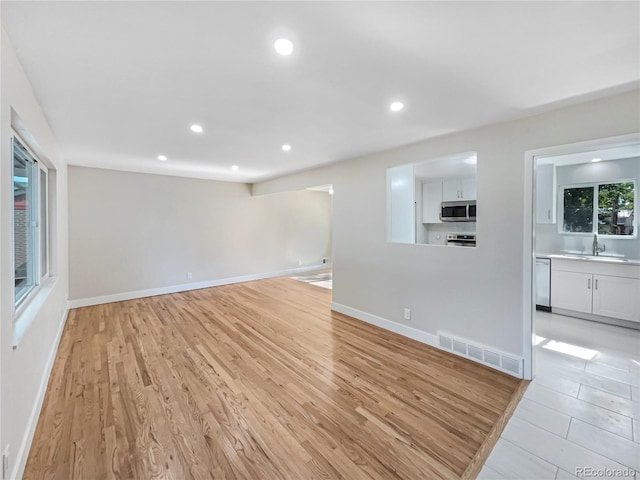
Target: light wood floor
259 380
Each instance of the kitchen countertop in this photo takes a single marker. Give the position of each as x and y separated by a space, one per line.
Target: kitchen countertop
591 258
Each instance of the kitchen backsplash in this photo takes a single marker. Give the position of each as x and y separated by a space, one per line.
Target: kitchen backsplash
436 233
549 241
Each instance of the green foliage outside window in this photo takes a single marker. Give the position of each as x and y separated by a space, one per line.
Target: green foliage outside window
615 209
614 205
578 209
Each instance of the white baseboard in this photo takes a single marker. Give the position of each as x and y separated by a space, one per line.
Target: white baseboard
395 327
23 453
119 297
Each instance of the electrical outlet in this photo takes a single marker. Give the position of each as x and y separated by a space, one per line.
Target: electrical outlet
325 260
5 462
407 314
189 275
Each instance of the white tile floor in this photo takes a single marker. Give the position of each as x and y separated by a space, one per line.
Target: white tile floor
578 413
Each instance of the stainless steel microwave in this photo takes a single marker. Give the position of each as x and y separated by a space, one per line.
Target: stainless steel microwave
458 211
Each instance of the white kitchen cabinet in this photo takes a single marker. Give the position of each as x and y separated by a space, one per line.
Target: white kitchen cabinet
616 297
571 290
468 189
545 194
599 289
431 200
459 189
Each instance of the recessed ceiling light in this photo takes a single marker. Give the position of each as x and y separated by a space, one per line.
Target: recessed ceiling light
235 168
286 148
197 128
596 159
396 106
162 157
283 46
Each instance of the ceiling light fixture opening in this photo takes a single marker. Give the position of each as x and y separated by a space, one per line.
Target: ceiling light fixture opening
286 148
596 159
396 106
283 46
197 128
235 168
162 158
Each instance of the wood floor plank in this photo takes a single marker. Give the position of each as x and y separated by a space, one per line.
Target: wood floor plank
259 380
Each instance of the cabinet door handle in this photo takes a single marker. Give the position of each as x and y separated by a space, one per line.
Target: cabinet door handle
461 193
549 214
588 284
596 280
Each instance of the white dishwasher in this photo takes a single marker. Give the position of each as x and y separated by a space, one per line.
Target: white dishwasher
543 284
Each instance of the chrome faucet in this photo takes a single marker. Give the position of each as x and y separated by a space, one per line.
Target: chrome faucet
596 248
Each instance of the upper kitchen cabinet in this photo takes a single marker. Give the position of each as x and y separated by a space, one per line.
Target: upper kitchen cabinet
545 194
431 200
459 189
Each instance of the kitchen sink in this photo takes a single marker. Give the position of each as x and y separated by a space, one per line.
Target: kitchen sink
604 258
598 258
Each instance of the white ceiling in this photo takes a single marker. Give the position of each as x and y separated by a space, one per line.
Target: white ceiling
120 82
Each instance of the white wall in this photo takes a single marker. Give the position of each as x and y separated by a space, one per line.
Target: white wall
24 370
132 232
476 293
548 240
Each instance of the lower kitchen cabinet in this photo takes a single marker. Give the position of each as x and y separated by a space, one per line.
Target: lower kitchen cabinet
616 297
571 291
594 293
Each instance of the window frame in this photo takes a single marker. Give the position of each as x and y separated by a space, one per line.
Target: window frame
38 233
596 186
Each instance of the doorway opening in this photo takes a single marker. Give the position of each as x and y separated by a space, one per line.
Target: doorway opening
550 177
322 277
586 248
582 308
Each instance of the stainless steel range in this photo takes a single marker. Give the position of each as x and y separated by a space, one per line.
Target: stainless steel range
461 239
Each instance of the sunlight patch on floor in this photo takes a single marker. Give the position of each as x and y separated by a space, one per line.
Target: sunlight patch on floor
322 279
573 350
537 340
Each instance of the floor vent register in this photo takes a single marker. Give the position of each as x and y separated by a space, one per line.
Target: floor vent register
479 353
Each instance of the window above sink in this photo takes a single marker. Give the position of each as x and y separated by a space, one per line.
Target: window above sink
606 209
